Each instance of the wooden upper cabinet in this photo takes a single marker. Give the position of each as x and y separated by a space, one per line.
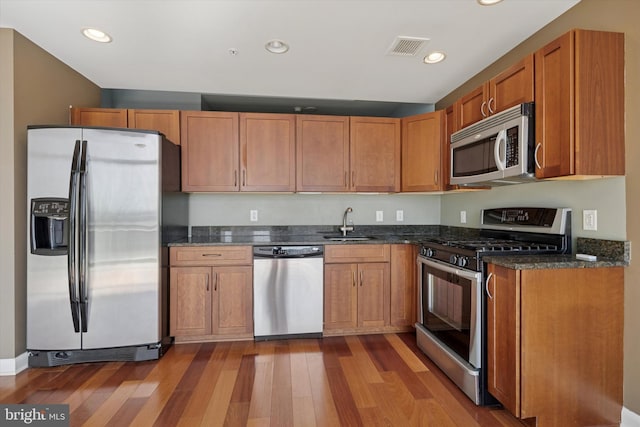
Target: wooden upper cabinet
210 151
422 141
165 121
268 148
103 117
322 153
511 87
375 154
579 89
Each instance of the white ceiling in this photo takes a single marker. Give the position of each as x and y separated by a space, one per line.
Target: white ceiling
338 47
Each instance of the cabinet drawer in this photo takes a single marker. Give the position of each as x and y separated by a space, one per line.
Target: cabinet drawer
356 253
211 255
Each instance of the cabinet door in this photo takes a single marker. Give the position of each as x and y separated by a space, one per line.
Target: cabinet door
268 149
165 121
503 336
512 87
373 295
472 107
232 300
190 301
422 137
210 151
340 296
375 154
554 108
403 285
322 151
104 117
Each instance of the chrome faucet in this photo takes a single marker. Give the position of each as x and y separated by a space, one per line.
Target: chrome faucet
346 228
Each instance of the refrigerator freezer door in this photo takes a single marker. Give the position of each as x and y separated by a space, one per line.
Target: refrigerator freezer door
49 320
123 238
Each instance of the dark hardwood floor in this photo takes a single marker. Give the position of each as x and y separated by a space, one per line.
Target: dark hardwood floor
366 380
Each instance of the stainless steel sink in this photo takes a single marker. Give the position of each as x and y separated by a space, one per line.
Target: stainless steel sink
348 238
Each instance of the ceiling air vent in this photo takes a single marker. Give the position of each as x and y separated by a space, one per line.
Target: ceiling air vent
407 46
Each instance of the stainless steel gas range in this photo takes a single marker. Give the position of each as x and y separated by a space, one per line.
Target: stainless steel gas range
451 327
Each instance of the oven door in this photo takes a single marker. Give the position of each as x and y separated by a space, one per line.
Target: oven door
449 301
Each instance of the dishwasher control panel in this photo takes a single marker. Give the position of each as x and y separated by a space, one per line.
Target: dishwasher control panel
287 251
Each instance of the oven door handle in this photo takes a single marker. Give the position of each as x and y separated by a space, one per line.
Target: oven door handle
486 286
467 274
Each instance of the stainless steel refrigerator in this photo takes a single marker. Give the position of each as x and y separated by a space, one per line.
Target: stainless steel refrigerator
96 273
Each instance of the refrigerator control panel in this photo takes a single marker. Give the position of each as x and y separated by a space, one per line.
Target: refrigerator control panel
49 226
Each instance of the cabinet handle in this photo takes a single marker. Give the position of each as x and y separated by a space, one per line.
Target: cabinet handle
482 109
206 281
486 286
491 111
535 155
353 278
345 178
211 254
353 178
244 177
361 280
435 176
235 178
215 283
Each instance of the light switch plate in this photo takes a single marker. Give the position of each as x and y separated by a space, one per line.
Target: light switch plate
463 217
399 215
590 219
253 215
379 216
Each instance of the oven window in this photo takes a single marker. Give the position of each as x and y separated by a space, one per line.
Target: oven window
446 308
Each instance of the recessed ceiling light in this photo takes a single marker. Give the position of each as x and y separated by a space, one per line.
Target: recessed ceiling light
434 57
488 2
276 46
96 35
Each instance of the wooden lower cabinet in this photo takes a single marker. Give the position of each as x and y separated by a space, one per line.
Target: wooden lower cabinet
356 296
554 344
369 288
211 302
403 302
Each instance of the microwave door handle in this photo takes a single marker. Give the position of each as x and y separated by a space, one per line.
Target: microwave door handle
501 141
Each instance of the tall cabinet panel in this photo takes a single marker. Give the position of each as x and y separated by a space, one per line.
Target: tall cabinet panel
422 137
210 151
322 151
165 121
375 154
580 105
268 146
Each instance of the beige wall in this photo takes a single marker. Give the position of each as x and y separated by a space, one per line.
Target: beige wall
35 88
616 199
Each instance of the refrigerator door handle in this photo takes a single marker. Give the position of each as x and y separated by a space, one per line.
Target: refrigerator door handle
82 252
71 258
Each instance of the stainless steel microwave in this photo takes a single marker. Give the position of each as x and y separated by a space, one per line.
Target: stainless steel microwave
498 150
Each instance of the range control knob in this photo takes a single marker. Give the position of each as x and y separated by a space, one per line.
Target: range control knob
463 261
428 252
453 259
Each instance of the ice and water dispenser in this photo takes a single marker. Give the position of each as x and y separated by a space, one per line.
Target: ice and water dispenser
49 226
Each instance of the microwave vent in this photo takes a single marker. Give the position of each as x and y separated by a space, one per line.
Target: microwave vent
407 46
491 121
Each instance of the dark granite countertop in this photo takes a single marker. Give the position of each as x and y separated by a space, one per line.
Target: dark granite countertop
609 253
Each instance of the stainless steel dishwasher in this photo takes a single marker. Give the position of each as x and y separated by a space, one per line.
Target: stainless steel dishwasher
287 291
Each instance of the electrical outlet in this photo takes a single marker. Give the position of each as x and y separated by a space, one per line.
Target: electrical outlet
590 220
253 215
379 216
399 215
463 217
